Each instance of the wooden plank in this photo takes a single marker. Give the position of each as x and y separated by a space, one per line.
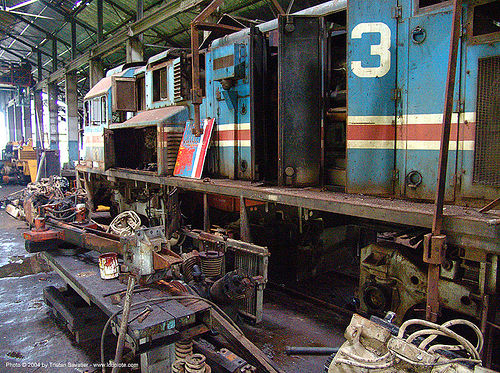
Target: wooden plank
246 348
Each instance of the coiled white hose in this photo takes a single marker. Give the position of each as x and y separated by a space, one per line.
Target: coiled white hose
125 223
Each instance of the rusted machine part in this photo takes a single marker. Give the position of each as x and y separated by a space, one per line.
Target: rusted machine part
224 359
196 363
212 263
374 346
123 324
196 94
183 349
189 261
179 366
434 254
233 286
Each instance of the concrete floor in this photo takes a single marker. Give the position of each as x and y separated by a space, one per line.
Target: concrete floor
30 341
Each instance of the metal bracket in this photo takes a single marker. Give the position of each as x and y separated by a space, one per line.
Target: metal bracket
397 12
396 94
434 249
395 175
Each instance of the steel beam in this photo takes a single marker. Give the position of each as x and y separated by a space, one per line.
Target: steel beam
72 116
11 122
96 71
67 15
24 42
40 29
22 58
28 131
73 38
100 11
137 28
54 55
163 13
52 92
134 50
436 247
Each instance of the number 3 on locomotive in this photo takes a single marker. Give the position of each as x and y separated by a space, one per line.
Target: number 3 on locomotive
381 50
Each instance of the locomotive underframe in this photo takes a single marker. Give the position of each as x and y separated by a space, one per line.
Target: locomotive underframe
472 238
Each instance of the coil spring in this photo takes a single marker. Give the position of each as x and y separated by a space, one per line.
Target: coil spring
212 263
183 349
190 260
195 363
192 363
179 366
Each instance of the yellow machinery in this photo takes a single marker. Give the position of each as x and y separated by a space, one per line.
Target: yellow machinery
19 162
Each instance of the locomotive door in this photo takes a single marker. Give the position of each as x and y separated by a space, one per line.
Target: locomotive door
299 100
372 52
428 39
259 132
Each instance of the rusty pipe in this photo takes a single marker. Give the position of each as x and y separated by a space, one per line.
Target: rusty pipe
123 325
195 63
432 308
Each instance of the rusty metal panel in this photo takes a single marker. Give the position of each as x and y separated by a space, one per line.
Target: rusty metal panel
109 149
124 94
299 100
487 141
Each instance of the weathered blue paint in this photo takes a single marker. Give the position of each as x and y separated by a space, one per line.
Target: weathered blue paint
421 72
230 108
370 96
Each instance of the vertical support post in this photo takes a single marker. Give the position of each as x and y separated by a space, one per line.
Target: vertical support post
52 92
244 223
39 65
28 132
206 213
134 50
96 71
434 254
11 119
72 116
54 54
196 93
73 38
18 113
39 119
139 15
100 31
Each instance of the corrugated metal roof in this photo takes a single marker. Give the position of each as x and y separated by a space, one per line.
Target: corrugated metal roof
31 32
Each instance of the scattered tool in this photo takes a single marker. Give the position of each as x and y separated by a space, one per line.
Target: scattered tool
145 314
116 297
142 316
299 350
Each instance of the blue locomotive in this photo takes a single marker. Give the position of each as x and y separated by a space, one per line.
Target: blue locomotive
319 116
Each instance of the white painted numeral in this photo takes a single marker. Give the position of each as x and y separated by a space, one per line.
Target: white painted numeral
381 50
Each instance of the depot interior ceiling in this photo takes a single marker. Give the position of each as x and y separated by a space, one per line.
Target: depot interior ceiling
30 29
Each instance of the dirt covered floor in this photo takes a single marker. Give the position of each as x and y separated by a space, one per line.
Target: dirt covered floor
30 341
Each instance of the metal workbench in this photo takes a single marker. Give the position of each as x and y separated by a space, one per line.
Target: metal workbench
169 321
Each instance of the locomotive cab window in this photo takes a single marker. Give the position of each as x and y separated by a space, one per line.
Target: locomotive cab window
96 111
140 86
429 5
160 84
483 24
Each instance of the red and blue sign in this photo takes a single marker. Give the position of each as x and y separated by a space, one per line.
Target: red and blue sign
193 150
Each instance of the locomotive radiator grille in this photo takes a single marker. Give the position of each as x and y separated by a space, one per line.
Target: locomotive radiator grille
487 141
250 264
